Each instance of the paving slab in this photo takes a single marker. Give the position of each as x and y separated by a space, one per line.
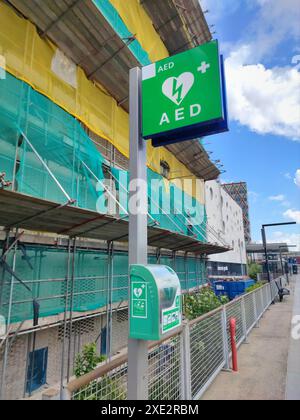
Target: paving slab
263 363
293 369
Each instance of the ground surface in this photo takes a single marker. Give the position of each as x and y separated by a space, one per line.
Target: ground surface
269 366
293 372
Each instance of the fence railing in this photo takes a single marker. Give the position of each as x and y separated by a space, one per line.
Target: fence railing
183 365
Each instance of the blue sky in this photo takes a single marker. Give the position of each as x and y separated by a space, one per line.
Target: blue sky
261 43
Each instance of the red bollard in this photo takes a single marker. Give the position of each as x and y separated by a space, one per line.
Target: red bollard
233 344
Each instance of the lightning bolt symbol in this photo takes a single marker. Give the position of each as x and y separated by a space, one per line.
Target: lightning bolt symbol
177 90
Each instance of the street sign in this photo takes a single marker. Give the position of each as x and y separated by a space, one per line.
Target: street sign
155 307
183 97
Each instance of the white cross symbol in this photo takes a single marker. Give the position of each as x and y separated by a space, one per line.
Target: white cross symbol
204 67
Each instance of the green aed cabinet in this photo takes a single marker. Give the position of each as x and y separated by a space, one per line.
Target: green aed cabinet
155 301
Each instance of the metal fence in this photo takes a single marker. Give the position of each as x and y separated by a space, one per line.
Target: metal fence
183 365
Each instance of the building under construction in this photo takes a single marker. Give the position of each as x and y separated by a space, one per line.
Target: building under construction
239 192
64 149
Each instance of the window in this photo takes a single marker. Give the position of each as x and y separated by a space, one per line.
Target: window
164 169
37 370
211 193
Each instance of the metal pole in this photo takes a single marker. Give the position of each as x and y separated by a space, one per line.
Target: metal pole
138 240
197 273
281 263
34 335
9 315
283 268
71 308
111 261
241 256
46 167
263 235
108 295
185 352
225 338
186 269
287 274
65 321
2 284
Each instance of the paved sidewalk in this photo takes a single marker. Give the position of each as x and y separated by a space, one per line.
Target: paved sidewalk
263 363
293 371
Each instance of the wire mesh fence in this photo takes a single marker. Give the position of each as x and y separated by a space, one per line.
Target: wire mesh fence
250 312
182 366
112 386
207 350
234 310
164 370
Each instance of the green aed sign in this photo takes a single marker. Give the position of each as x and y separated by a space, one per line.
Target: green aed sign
183 96
155 301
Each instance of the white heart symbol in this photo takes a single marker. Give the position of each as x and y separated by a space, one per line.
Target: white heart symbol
138 292
176 88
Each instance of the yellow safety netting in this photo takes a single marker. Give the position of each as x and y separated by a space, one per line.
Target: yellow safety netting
138 22
30 58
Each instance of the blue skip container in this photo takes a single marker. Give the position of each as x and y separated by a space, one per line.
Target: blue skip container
232 289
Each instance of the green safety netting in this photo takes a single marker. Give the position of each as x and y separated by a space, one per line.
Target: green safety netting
56 136
61 142
115 20
98 279
73 158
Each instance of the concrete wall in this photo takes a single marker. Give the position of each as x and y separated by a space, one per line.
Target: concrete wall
226 217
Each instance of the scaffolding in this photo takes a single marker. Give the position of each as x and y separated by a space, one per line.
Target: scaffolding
53 179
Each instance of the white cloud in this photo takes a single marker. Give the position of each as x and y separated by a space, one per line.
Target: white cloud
267 101
288 175
293 215
279 197
290 239
278 20
297 178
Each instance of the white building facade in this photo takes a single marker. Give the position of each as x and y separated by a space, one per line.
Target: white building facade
226 217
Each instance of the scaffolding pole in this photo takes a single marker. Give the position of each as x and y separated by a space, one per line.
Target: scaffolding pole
71 308
62 377
6 348
6 241
111 298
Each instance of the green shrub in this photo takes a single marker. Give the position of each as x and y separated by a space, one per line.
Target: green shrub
202 302
253 270
105 388
255 286
87 360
